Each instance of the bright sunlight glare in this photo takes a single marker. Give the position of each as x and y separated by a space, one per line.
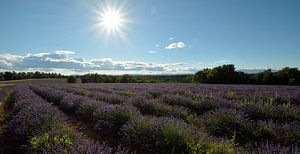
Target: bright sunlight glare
112 21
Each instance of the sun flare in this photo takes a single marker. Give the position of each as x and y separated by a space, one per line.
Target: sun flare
112 21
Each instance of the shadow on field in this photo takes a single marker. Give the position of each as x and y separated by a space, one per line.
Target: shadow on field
5 100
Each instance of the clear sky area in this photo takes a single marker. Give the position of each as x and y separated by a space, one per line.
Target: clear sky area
148 36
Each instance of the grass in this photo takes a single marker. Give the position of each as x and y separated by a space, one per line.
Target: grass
4 145
5 83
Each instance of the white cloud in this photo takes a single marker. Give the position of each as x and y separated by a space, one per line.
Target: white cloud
10 57
64 52
64 62
175 45
171 38
156 45
152 52
222 62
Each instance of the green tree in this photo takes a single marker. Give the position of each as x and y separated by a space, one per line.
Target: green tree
220 74
2 77
8 75
268 77
125 78
288 76
201 76
71 79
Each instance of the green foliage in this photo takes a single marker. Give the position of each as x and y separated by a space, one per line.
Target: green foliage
119 117
140 134
112 117
114 99
2 77
161 109
71 79
231 95
288 75
284 134
197 107
158 136
29 75
176 138
226 74
222 74
227 123
256 111
201 147
264 132
128 93
285 113
126 79
148 135
48 141
155 94
99 78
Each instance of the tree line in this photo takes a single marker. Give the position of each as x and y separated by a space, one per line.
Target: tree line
4 76
227 74
100 78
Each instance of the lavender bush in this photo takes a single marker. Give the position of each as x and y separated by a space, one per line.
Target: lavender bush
221 118
167 135
228 123
154 107
112 117
38 127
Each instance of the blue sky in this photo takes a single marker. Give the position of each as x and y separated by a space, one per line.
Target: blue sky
201 33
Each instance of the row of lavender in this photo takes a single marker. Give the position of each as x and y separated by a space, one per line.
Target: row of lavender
38 127
196 91
250 123
281 95
124 124
278 109
279 103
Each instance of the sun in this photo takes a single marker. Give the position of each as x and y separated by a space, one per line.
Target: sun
111 20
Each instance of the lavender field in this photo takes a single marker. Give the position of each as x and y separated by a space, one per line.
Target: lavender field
154 118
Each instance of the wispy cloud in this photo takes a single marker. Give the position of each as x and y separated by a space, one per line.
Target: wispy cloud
152 51
171 38
222 61
156 45
175 45
65 62
64 52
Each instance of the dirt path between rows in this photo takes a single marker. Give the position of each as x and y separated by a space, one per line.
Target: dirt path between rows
5 147
74 126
